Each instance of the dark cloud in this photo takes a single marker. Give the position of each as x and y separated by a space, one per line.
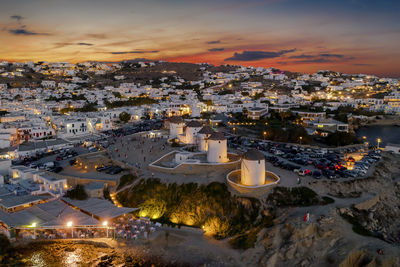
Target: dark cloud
86 44
215 49
17 18
302 56
321 58
314 60
214 42
58 45
257 55
362 64
134 52
96 36
332 55
22 31
305 56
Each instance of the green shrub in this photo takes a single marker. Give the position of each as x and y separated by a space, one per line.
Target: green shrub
211 207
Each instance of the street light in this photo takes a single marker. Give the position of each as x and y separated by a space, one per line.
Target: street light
301 138
69 224
378 140
33 225
265 134
105 224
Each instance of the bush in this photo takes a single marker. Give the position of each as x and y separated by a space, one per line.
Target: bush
78 193
296 196
341 139
244 241
5 244
153 208
357 227
208 206
106 193
328 200
125 180
8 255
175 143
124 116
216 227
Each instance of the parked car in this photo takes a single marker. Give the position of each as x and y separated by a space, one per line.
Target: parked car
57 169
116 170
100 168
48 164
317 174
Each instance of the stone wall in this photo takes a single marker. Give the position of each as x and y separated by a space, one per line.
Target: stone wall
196 168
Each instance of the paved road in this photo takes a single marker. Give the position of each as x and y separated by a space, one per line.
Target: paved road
80 150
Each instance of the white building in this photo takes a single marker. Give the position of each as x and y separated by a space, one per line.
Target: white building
253 168
217 148
191 131
202 137
176 127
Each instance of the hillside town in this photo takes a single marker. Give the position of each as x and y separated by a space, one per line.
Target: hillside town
83 145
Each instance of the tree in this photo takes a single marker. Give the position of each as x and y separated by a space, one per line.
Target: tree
5 244
117 94
124 116
341 139
78 192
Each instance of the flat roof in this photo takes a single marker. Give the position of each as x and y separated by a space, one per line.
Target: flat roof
12 200
99 207
53 213
41 144
94 185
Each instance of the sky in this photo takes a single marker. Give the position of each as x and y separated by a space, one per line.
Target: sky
351 36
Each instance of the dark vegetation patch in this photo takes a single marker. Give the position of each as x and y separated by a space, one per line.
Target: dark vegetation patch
295 197
210 207
125 180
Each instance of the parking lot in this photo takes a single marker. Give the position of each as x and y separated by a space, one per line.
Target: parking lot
55 160
315 162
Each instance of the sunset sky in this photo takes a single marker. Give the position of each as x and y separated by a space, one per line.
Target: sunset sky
353 36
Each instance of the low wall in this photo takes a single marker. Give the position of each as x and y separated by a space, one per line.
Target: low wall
74 180
193 168
253 191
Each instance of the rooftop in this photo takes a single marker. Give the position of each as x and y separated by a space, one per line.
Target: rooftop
14 200
194 124
206 130
217 136
176 119
253 154
99 207
53 213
